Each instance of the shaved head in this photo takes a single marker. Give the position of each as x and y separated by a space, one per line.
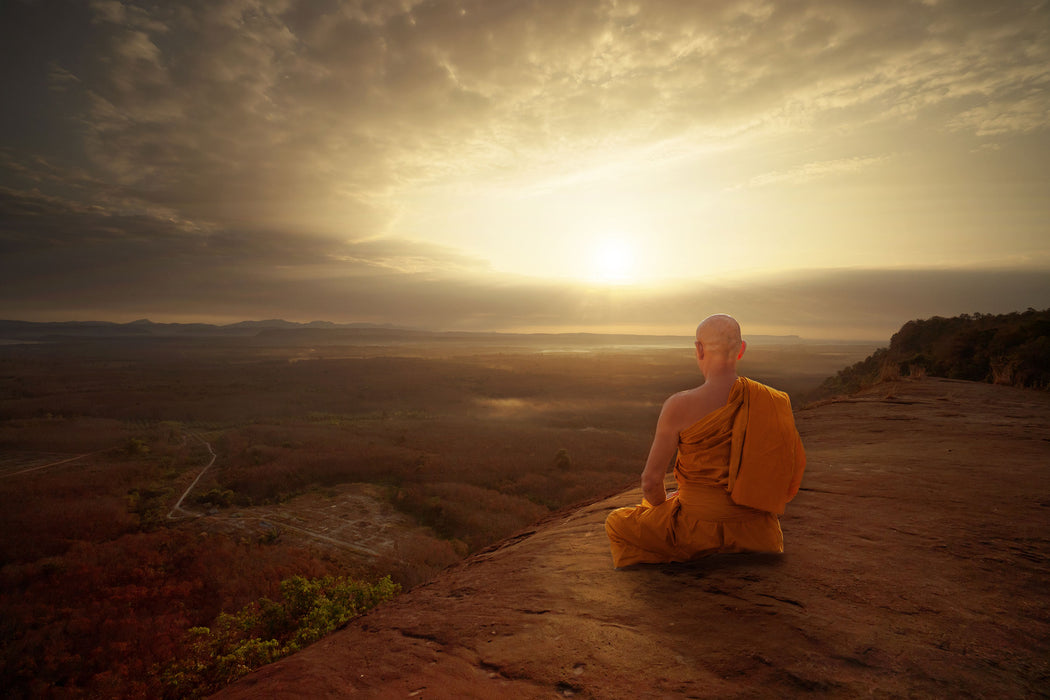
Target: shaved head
720 334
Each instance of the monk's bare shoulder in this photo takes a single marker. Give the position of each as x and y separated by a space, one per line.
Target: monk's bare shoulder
687 407
679 410
682 399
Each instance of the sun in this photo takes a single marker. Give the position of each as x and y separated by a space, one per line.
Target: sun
612 261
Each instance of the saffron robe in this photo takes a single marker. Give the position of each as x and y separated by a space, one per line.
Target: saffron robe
736 468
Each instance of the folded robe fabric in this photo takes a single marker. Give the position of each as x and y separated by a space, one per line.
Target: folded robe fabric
767 459
736 468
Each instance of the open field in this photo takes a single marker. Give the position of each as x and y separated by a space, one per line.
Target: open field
362 459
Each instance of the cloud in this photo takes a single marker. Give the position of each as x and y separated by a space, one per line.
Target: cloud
1022 116
250 154
317 113
54 248
809 172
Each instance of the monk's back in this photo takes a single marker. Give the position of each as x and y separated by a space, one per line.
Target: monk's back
705 444
695 404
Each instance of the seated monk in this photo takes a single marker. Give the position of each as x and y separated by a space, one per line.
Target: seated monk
739 461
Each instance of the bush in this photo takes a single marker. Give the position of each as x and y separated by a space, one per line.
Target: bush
467 513
136 446
266 630
221 498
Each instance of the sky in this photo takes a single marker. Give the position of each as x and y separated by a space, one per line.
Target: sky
818 168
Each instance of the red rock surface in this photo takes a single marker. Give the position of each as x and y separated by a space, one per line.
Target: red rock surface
917 565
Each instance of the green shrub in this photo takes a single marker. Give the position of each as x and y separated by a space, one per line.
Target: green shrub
467 513
221 498
266 630
136 446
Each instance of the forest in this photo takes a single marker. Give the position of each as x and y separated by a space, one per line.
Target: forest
1011 349
179 510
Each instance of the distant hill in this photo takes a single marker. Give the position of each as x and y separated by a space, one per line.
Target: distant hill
1011 349
29 331
280 332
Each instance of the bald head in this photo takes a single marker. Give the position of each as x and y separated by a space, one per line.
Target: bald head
720 336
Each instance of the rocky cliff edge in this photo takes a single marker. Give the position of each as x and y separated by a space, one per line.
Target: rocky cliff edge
917 565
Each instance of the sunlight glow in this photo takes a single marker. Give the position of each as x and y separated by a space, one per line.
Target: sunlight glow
612 262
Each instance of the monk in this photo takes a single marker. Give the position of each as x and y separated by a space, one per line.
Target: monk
738 461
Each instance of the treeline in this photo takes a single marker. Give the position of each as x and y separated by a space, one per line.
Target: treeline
1011 349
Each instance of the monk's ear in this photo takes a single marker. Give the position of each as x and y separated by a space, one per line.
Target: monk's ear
743 347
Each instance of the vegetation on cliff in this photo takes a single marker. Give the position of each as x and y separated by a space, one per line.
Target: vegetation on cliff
1011 349
266 630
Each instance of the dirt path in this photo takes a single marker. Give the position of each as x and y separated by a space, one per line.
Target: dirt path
352 518
48 465
177 508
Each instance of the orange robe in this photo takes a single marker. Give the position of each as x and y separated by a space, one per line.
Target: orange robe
747 452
